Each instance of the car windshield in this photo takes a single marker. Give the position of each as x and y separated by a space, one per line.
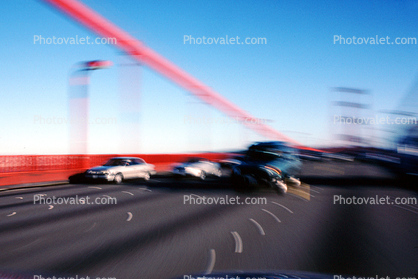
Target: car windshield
194 160
116 162
255 155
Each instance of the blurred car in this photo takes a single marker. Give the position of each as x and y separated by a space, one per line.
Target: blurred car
310 155
229 163
120 168
339 156
271 164
197 167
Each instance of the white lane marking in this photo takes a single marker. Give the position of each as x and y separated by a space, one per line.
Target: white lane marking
238 242
405 208
19 198
276 203
259 227
11 214
393 200
29 244
50 207
196 196
410 205
109 197
89 229
15 190
312 190
212 260
127 193
319 188
145 189
271 214
129 216
94 187
296 196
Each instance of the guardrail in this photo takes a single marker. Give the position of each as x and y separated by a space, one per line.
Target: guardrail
27 169
36 163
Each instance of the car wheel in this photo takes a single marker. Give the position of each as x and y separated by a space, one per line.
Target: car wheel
202 175
293 181
280 187
147 176
118 178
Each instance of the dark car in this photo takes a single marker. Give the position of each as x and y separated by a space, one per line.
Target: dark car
271 164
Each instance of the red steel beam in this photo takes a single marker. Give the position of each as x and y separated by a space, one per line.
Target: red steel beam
147 56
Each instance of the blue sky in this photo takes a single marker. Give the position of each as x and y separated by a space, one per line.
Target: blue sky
287 81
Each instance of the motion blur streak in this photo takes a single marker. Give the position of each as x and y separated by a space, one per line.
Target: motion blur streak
137 50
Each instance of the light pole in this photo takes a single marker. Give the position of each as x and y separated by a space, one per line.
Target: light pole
130 78
351 106
79 103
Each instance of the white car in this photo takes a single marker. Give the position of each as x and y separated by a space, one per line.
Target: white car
120 168
197 167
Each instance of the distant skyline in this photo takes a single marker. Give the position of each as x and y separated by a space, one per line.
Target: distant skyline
286 80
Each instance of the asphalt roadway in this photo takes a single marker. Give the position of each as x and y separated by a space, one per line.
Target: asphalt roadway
153 230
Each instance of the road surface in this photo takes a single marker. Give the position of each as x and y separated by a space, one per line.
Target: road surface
153 229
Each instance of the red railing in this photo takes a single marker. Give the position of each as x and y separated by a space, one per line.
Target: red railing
31 163
29 169
35 163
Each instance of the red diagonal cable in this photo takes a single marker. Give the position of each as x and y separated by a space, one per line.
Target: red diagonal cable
147 56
